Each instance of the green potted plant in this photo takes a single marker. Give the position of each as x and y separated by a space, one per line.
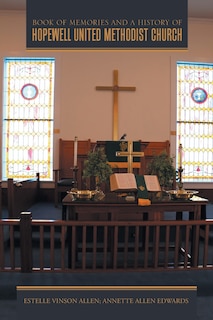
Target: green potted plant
97 166
162 166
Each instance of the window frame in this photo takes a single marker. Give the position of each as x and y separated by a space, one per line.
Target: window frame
174 146
48 116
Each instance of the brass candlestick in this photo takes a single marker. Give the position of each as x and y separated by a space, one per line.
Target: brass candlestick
180 183
75 173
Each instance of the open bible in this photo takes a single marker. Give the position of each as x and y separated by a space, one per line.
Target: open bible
129 182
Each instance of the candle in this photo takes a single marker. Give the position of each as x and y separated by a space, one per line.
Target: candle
75 151
180 155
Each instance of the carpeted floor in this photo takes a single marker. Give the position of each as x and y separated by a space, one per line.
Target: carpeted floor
200 278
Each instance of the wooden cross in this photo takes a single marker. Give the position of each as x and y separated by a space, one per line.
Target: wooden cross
129 154
115 89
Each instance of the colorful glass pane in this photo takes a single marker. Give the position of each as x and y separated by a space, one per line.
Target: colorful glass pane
29 91
28 118
199 95
194 120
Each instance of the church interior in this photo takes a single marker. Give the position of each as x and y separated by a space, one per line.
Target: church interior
84 107
81 109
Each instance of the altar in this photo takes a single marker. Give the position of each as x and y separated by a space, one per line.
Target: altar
67 156
144 218
115 208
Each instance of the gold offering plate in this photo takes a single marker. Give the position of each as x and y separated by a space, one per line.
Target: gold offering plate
182 194
82 194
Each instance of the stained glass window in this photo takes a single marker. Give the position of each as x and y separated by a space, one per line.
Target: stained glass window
28 110
195 120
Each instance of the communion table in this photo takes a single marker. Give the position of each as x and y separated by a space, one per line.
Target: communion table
113 208
116 208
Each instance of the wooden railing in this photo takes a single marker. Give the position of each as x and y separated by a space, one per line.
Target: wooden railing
28 245
22 195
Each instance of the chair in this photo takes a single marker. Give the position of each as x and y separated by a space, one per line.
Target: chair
63 176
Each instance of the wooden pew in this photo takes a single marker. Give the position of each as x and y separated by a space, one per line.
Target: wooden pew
22 195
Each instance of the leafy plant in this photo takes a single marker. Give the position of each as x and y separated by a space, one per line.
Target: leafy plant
162 166
97 166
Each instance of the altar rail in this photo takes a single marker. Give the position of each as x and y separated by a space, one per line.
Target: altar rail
21 195
82 246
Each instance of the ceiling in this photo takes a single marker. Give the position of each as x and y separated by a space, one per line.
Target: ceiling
196 8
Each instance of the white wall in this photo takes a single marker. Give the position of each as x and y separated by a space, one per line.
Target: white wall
147 114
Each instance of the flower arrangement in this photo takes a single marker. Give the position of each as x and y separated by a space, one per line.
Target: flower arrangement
162 166
97 166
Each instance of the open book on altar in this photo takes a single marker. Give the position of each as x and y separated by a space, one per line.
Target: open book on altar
130 182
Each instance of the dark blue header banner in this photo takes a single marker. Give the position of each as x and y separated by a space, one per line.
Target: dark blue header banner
113 24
